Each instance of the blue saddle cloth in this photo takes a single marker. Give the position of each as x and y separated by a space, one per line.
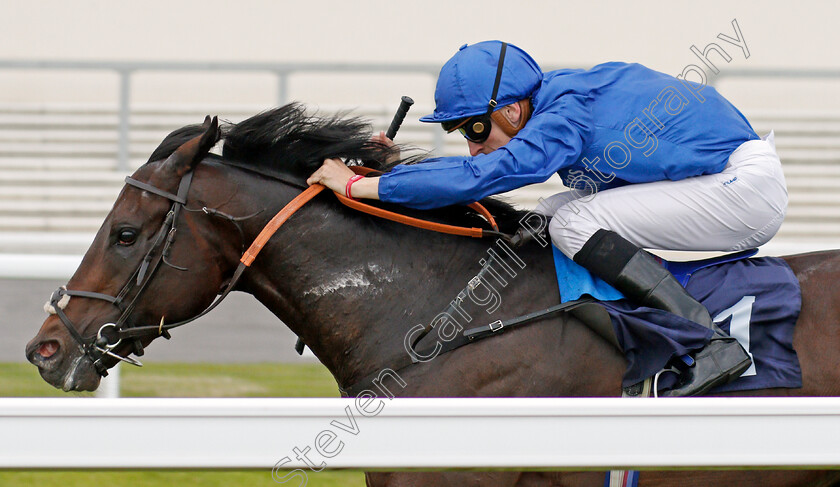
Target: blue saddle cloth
756 300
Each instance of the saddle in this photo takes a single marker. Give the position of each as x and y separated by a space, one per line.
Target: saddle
683 270
597 318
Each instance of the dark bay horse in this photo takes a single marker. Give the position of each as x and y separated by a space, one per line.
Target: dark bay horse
353 286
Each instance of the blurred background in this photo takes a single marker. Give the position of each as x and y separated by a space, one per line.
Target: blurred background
89 88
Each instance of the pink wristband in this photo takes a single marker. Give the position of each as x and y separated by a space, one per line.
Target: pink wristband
350 183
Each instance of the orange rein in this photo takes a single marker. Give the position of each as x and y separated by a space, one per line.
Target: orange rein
312 191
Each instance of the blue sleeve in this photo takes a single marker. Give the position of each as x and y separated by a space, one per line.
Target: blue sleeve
551 140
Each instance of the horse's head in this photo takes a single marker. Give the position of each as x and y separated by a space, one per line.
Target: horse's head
132 275
176 233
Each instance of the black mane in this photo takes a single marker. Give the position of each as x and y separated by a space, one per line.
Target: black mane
289 140
288 144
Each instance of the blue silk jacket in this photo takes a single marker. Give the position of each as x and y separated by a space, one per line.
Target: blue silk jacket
611 125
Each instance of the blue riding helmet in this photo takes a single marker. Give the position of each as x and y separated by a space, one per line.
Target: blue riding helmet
466 81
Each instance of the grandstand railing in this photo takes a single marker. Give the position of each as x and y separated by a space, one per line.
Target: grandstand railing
63 169
126 71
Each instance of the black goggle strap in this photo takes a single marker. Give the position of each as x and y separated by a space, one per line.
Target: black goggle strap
491 105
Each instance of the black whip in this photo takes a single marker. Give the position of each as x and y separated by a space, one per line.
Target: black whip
405 104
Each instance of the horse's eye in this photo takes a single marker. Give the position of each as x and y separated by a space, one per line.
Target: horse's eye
127 236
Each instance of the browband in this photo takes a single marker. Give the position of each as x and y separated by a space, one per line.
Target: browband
151 189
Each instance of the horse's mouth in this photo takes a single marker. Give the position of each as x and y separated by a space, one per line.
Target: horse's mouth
80 376
76 374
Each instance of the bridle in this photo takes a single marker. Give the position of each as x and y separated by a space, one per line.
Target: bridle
111 335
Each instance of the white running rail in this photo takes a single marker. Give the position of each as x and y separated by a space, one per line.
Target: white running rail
419 433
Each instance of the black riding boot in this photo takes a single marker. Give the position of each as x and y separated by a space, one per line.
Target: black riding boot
643 280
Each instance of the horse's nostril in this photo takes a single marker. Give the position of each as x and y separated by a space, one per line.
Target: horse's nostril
48 348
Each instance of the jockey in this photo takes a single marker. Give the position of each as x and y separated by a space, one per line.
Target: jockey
652 162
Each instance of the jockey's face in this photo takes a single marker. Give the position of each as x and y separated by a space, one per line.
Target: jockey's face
496 139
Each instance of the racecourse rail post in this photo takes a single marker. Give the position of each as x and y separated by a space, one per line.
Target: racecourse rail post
109 387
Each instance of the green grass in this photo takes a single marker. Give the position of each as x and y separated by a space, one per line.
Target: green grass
22 380
181 380
199 478
228 380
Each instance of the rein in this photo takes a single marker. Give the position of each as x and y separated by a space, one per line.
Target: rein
110 335
418 223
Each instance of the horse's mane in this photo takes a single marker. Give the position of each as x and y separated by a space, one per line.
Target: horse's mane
289 144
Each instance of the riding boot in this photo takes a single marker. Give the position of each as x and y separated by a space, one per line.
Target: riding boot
643 280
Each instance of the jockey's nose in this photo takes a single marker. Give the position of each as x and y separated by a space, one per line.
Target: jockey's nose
475 147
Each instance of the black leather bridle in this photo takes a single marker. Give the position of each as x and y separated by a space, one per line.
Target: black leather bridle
110 335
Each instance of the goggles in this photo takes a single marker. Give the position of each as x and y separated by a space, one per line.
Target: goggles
475 129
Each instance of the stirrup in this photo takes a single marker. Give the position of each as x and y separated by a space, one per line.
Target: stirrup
648 387
719 363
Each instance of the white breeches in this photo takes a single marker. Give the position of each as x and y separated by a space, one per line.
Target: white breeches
741 207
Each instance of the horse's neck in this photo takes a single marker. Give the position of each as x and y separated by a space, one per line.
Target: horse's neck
352 306
352 289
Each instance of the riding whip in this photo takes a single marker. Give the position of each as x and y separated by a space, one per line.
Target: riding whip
405 104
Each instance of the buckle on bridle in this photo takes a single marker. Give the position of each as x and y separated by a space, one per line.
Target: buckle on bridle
496 326
103 345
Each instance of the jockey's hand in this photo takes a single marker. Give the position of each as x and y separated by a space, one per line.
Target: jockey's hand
334 174
394 151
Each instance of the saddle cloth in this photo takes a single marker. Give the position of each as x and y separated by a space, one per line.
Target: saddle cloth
755 300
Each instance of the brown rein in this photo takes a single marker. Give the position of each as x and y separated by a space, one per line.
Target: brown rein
312 191
416 222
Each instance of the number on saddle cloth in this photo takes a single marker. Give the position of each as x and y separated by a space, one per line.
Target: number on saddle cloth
766 331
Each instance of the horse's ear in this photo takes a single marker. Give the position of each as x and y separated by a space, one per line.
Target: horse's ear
186 157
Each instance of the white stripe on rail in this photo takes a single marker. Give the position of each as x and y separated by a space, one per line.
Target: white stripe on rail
419 433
